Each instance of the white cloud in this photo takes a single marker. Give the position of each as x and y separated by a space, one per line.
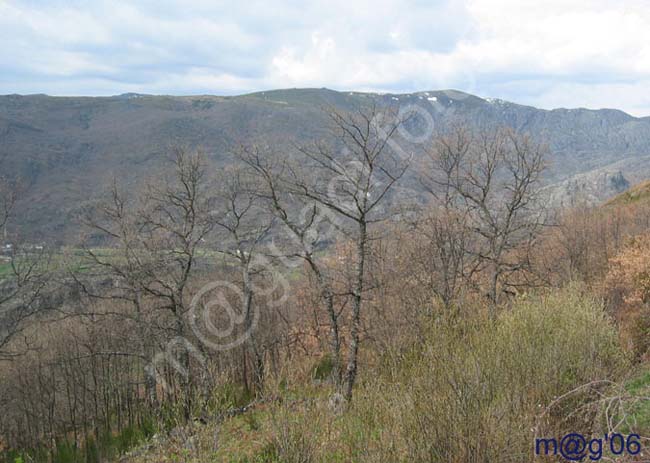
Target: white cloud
593 53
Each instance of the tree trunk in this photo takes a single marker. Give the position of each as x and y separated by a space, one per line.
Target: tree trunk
258 356
351 371
335 338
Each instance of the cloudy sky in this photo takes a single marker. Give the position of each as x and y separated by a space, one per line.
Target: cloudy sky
547 53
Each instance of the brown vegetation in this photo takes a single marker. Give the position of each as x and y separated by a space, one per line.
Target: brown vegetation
282 287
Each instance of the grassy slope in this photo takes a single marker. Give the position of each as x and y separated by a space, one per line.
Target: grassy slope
245 438
5 268
640 385
303 407
637 194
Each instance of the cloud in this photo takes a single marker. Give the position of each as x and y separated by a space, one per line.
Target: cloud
592 53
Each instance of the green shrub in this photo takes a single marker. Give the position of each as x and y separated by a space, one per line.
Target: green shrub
230 395
129 437
476 389
148 427
91 451
65 453
251 421
323 369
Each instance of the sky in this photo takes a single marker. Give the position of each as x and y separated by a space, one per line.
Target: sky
545 53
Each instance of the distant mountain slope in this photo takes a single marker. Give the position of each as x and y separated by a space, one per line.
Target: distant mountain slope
67 148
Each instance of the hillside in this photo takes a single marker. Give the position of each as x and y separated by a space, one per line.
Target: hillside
65 149
637 194
169 338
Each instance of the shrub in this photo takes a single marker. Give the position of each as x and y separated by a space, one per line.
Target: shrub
323 369
628 287
64 453
91 451
295 438
474 390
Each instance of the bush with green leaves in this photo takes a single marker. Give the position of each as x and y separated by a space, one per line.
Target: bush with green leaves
476 390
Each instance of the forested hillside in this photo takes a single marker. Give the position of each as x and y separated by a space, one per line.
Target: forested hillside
301 304
67 150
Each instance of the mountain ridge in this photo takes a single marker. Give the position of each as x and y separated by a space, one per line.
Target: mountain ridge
128 95
67 148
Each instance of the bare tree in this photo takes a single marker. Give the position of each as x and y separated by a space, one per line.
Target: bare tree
23 286
23 292
246 224
439 255
442 256
115 222
8 198
302 220
158 241
352 178
492 178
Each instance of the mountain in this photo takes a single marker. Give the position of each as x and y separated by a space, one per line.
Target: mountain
67 149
